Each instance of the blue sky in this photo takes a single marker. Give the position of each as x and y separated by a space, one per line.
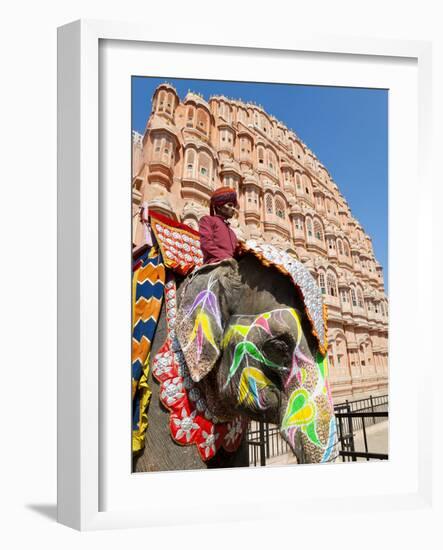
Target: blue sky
346 128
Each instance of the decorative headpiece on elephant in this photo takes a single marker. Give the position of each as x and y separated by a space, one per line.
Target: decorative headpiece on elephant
250 337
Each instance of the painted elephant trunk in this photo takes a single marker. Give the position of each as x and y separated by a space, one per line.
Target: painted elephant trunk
307 414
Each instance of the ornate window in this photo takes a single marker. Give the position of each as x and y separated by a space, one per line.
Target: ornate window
298 224
344 296
161 100
202 121
354 301
204 166
190 118
321 283
298 181
167 149
339 246
157 147
309 227
271 161
190 159
280 208
261 155
360 298
245 147
346 247
269 204
169 103
332 284
318 230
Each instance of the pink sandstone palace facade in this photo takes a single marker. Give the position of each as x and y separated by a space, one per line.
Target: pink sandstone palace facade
287 197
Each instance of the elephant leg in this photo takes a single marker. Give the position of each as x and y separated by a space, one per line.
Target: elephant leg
239 458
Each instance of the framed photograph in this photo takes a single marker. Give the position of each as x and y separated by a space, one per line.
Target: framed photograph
201 233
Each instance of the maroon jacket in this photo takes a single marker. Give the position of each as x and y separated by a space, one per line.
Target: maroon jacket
217 240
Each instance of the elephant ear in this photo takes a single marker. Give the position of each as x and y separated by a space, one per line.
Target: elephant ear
201 316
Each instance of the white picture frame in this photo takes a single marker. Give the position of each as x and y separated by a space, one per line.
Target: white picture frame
97 495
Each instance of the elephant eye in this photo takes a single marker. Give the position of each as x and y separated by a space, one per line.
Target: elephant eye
279 349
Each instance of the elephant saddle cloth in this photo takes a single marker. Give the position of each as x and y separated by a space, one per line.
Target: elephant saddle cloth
179 244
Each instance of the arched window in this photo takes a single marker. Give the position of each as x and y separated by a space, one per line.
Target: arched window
202 120
190 118
161 100
261 155
354 301
169 103
271 161
318 230
309 227
269 204
346 248
344 296
298 181
297 224
245 147
280 208
339 246
332 284
360 298
157 147
203 166
321 283
190 160
167 150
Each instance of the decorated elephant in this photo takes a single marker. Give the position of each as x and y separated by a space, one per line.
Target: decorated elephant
238 340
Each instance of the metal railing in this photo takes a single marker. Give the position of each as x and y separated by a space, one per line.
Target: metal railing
353 417
265 442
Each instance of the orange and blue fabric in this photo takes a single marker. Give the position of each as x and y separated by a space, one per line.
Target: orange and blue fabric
148 281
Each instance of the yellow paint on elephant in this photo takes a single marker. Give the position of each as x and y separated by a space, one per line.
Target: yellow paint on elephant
203 320
251 380
235 329
300 410
297 321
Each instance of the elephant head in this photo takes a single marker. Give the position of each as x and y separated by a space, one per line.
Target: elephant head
248 342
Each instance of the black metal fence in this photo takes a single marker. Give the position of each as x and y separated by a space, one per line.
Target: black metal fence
353 417
265 442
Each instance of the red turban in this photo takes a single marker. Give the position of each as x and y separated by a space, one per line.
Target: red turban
222 196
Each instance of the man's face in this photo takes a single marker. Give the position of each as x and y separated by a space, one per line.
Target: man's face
226 210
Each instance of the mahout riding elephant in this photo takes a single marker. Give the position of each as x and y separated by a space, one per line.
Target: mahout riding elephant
238 340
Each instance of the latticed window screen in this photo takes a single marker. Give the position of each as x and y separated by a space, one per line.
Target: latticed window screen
204 165
201 121
190 120
280 208
261 155
321 282
354 301
332 284
190 162
318 231
309 227
269 204
169 102
360 298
